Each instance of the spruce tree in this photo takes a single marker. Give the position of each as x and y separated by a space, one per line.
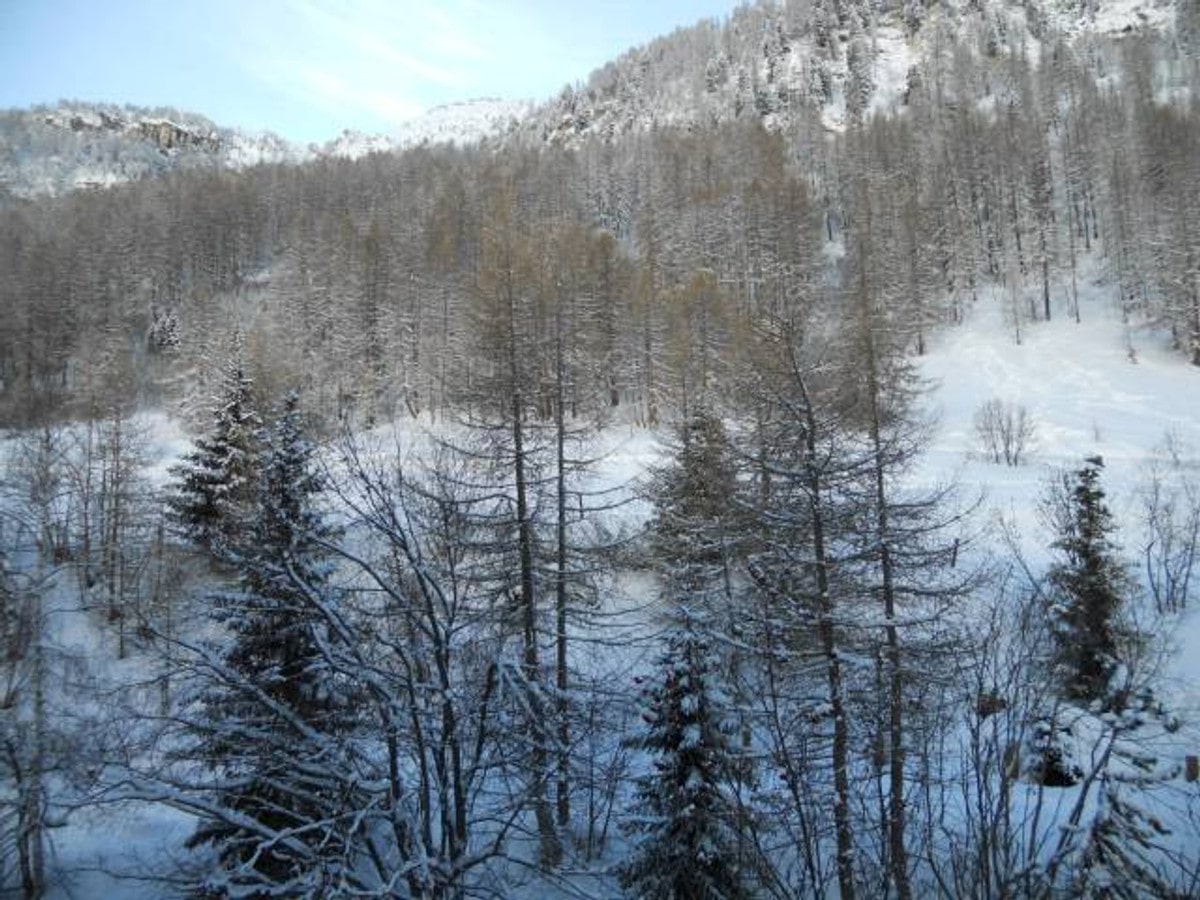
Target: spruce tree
693 497
1086 586
215 483
273 711
1127 848
1124 850
686 816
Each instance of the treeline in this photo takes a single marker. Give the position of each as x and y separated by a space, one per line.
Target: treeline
370 285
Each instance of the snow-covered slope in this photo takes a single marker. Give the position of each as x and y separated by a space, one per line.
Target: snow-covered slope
47 151
1111 16
50 150
468 122
463 123
822 61
1093 388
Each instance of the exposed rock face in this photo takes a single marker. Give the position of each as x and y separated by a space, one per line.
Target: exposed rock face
46 151
169 136
163 133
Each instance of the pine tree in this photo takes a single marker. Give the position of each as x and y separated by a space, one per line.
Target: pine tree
693 497
1122 852
687 817
1086 586
273 711
1117 841
1124 857
215 483
698 534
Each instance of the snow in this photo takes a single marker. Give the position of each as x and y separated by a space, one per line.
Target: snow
1098 386
1118 17
462 123
101 145
894 57
166 443
118 851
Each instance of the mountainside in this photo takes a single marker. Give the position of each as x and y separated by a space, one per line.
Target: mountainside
826 62
462 123
833 60
51 150
47 151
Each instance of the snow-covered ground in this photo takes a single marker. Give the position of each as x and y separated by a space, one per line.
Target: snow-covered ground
1087 392
1094 387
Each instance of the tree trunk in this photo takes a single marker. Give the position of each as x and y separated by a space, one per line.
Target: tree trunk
563 797
1045 275
551 851
31 825
833 668
1195 325
897 846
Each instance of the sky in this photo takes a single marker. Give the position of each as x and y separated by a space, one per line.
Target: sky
307 69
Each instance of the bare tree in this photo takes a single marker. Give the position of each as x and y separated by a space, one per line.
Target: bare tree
798 567
1170 510
1005 431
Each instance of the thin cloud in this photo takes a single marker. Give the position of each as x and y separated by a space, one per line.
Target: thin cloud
373 40
374 64
354 64
447 36
336 93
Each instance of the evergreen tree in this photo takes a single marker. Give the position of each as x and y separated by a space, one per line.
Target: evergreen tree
215 483
699 535
1124 856
1118 841
272 710
1124 850
693 498
687 818
1086 586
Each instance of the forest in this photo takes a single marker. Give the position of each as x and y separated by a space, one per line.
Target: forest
386 626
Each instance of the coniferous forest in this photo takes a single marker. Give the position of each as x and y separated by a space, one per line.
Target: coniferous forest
384 626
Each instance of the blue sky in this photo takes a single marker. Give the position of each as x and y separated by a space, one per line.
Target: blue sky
306 69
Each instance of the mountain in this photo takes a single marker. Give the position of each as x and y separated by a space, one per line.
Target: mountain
49 150
826 62
837 60
463 123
